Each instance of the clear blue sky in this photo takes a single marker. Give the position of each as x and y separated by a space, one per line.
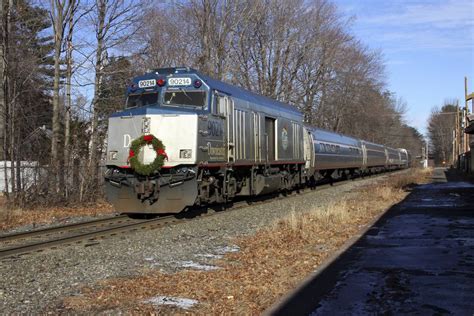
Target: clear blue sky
428 48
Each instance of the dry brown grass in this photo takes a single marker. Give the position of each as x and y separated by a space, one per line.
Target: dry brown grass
414 177
268 265
18 217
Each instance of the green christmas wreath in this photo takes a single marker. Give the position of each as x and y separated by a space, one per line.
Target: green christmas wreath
147 169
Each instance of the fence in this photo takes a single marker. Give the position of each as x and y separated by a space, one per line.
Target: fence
31 183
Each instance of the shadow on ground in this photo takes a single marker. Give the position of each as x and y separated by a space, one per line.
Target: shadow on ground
418 258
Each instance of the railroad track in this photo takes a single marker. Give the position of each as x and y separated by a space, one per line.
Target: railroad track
89 233
85 232
61 229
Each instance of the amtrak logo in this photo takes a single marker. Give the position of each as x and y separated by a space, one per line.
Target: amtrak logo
284 138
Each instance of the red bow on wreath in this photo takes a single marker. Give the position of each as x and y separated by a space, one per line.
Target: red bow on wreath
148 138
162 153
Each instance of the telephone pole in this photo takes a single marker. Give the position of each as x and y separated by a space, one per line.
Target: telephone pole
468 97
468 129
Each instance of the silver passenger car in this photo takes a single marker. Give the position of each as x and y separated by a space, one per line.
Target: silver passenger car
375 154
335 151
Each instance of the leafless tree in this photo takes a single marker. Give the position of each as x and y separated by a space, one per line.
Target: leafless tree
61 12
441 125
297 52
5 6
300 52
115 22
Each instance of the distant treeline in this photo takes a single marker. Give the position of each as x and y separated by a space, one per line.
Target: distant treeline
64 67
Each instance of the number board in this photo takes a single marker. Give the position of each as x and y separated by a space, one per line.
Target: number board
147 83
182 81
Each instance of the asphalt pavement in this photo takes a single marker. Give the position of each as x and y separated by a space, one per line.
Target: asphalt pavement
418 259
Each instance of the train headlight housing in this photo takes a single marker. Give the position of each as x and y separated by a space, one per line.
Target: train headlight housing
113 155
185 153
146 125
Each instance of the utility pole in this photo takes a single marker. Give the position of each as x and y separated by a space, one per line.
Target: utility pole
456 137
468 97
454 146
427 156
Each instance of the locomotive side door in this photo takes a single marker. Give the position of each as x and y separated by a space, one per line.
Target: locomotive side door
225 108
270 138
214 133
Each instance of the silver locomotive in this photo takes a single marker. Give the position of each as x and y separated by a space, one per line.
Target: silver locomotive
221 142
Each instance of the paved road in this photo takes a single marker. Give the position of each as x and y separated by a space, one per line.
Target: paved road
418 259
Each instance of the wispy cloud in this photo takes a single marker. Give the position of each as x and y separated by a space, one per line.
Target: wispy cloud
443 14
428 47
418 25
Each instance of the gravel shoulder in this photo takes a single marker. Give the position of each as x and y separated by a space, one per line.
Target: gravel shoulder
36 283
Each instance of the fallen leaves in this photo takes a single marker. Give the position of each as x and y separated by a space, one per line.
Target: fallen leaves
19 217
269 264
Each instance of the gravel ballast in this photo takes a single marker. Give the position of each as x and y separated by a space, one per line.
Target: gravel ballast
35 283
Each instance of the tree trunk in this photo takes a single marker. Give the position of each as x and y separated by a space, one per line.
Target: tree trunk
12 146
60 12
58 38
7 115
67 113
93 162
18 169
4 9
3 103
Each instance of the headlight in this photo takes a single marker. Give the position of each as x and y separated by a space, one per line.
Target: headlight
113 155
185 153
146 125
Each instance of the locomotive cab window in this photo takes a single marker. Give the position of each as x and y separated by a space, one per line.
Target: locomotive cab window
186 98
137 100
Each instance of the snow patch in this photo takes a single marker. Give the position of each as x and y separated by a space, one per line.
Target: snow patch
184 303
197 266
226 249
209 255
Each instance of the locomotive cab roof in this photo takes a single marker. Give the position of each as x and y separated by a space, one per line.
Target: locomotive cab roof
161 78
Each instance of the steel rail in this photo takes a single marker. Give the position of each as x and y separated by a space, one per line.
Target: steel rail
156 222
26 248
56 229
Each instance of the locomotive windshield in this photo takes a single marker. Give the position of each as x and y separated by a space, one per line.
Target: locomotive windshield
137 100
187 98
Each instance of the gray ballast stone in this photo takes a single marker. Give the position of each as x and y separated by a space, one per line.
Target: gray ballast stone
37 282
